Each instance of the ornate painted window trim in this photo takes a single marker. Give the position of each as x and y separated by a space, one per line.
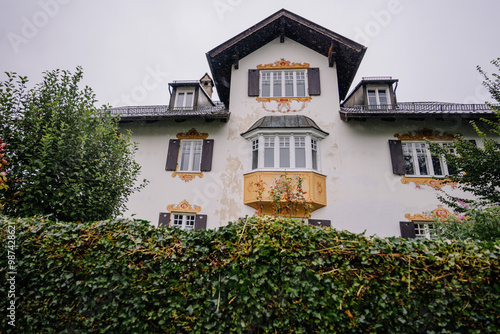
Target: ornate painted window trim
439 212
172 159
423 134
184 207
192 134
427 181
282 64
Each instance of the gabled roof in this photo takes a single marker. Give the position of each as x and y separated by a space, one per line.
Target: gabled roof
346 53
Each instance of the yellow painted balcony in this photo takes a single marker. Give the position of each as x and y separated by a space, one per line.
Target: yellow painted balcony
313 184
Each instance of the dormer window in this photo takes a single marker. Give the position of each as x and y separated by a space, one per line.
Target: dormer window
184 99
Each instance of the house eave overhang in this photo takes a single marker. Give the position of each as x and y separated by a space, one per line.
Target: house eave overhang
346 53
421 111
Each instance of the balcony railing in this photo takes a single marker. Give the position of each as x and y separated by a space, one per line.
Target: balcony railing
219 110
422 107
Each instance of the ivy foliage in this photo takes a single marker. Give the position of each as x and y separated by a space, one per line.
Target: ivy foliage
257 275
65 155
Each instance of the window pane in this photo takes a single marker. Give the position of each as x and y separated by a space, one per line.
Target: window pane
288 83
189 100
372 98
284 152
300 152
185 153
436 164
266 84
268 151
422 158
408 157
277 84
180 100
314 148
196 155
177 222
301 83
382 97
189 222
255 154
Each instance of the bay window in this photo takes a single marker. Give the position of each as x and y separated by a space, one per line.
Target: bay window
284 151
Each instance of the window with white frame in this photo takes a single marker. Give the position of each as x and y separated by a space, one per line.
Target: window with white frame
255 153
420 162
185 99
377 98
283 83
285 151
190 155
183 221
424 230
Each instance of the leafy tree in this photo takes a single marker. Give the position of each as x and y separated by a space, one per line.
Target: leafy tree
66 157
476 169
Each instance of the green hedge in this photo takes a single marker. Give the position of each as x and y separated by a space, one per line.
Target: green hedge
261 275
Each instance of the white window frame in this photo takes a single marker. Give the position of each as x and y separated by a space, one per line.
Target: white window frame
191 159
274 140
297 75
378 104
420 149
424 230
184 221
184 104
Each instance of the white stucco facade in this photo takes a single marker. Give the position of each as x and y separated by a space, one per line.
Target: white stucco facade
362 192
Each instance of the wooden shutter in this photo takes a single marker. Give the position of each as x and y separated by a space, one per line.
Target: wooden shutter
320 222
398 162
164 219
206 155
313 81
173 152
200 222
407 229
253 82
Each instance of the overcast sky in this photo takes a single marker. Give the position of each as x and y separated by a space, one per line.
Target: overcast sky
130 50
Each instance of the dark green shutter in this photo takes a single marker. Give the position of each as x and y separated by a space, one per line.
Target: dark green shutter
173 152
206 155
164 219
313 81
253 82
397 159
200 222
407 230
320 222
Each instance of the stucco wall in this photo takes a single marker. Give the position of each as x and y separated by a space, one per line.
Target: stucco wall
362 192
